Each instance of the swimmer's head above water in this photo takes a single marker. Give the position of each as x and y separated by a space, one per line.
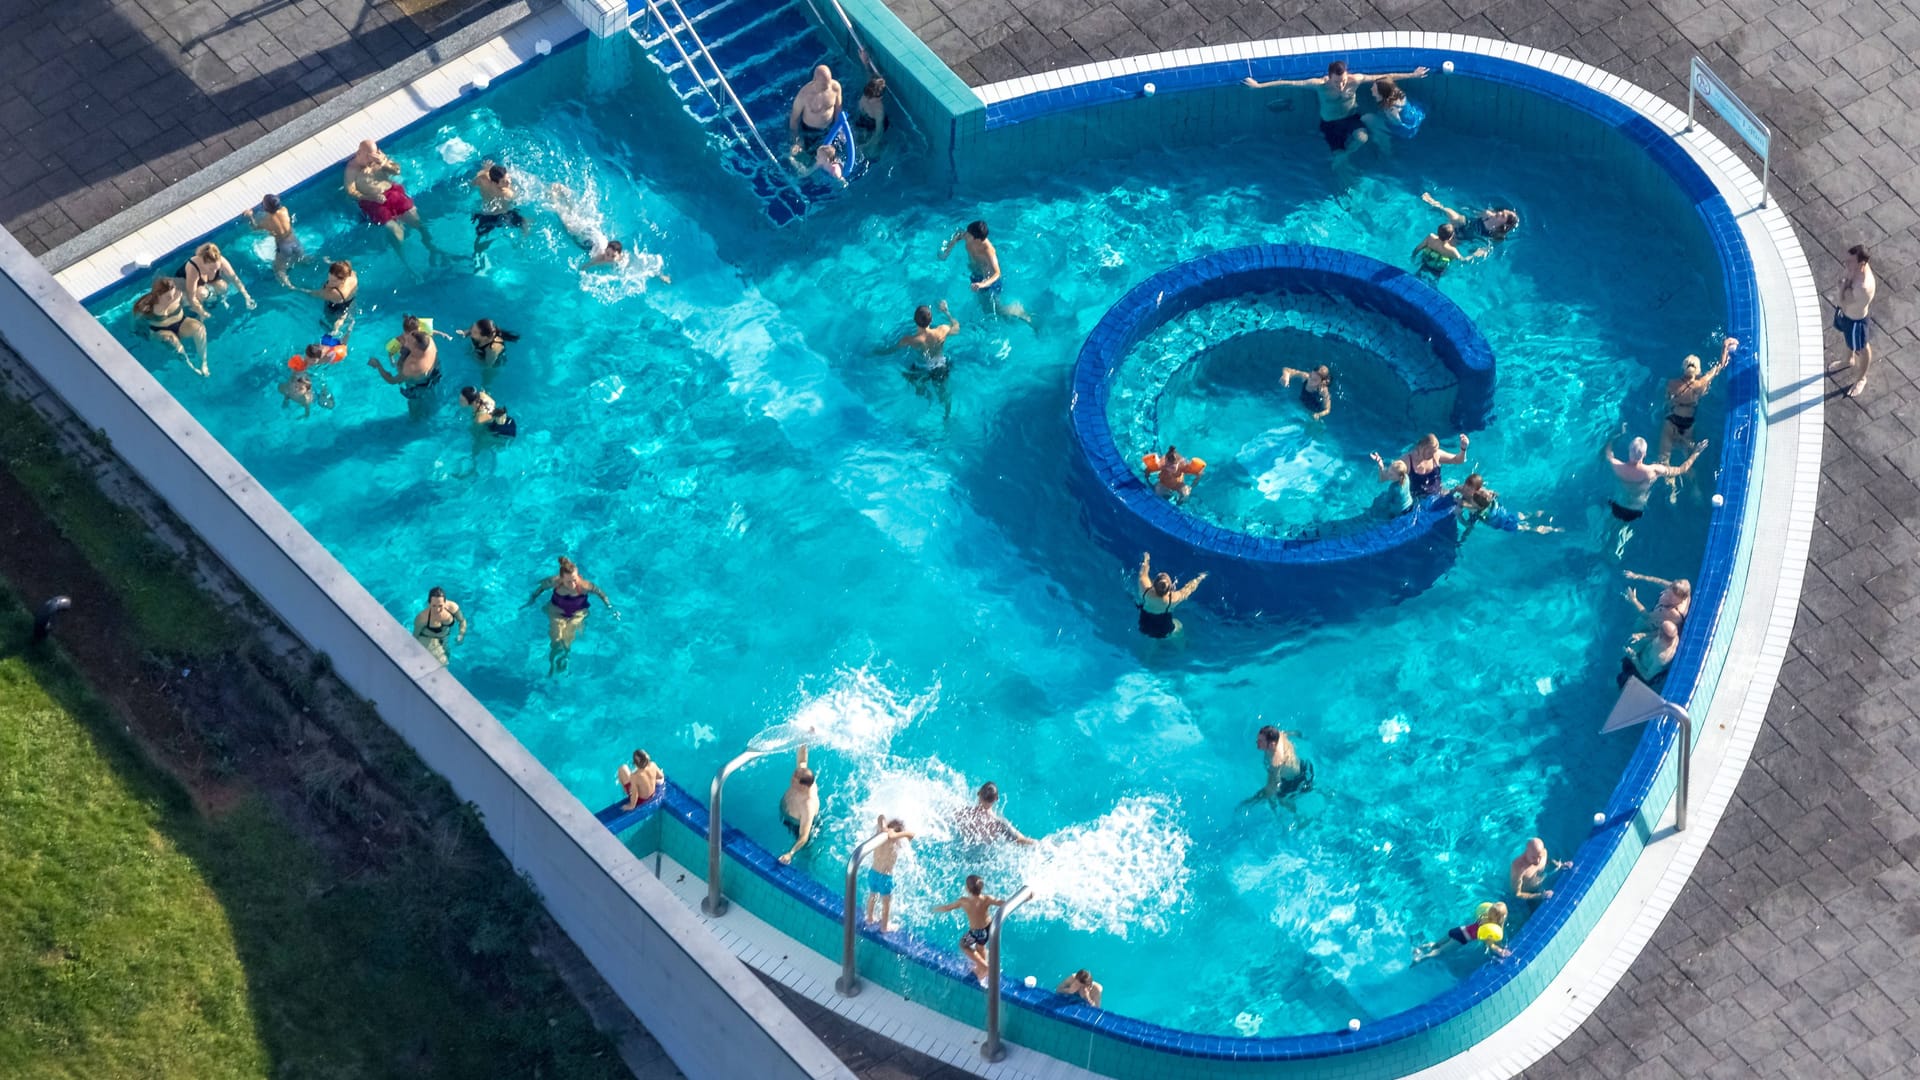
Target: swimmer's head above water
975 886
1636 451
497 174
989 793
977 230
1388 93
923 316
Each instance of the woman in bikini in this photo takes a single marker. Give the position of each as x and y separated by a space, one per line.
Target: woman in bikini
489 347
1423 465
341 288
567 594
1159 595
1683 402
206 275
162 314
431 626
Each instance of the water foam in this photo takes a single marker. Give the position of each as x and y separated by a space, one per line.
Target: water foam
1125 870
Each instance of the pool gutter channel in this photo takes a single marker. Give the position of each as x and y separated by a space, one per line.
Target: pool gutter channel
1754 619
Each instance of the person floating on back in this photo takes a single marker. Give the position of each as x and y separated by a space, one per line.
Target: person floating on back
1488 928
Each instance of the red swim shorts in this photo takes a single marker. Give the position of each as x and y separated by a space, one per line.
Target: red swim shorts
394 204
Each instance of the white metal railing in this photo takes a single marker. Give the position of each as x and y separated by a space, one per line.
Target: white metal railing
993 1049
719 77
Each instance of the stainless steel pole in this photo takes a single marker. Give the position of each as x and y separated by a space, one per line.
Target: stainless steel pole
715 905
993 1049
1685 767
849 981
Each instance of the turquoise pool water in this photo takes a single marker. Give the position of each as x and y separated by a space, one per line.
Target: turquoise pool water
792 535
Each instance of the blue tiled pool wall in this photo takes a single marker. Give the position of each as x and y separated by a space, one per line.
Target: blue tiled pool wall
1295 578
933 975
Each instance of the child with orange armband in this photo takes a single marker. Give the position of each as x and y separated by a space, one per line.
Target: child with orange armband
1170 472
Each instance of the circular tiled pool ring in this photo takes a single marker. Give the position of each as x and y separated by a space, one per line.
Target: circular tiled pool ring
1253 575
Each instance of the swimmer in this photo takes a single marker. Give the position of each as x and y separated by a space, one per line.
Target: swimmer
1857 287
1080 984
1649 653
489 343
342 287
476 404
1423 465
1475 502
1493 223
500 428
930 342
566 610
1530 869
370 180
1287 775
983 270
826 159
271 217
206 276
1488 927
1170 478
586 232
1159 595
639 780
430 627
799 805
1683 402
416 371
870 115
608 254
1397 499
298 390
1389 121
161 314
814 109
977 904
1437 252
981 823
880 874
1676 598
1341 124
498 208
1316 388
1635 477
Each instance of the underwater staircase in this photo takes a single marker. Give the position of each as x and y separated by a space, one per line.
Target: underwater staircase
736 65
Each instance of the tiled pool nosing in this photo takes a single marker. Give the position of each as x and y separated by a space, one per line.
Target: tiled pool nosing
279 140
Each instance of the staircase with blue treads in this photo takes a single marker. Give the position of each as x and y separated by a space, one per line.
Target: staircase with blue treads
768 50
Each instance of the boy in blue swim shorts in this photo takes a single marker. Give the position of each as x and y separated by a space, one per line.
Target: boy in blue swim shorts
880 874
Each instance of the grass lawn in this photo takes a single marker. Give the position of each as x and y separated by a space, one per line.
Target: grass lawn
139 938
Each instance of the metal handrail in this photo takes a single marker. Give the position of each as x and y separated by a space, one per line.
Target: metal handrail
853 36
719 76
993 1049
849 981
715 905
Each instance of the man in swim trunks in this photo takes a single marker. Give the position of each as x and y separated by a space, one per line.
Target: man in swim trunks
1683 402
416 371
1340 122
1529 871
1636 476
370 181
1316 388
1287 775
799 805
977 904
271 217
983 270
880 875
1649 653
497 205
1857 286
815 108
930 342
982 824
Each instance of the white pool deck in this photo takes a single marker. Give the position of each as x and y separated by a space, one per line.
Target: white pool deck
1786 486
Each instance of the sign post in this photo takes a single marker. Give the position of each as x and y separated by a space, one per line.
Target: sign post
1640 703
1702 83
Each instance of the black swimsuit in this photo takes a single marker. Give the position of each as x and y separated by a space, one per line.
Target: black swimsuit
1425 483
1154 624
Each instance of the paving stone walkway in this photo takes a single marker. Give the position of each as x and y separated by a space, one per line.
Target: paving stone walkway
1795 951
105 102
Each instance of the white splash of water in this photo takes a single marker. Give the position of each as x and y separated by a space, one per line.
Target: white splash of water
457 150
1248 1023
858 714
702 735
1125 870
1544 685
1393 727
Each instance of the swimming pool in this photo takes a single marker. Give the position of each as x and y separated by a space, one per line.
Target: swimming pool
793 534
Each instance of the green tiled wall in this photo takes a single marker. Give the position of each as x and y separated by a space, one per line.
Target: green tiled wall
945 109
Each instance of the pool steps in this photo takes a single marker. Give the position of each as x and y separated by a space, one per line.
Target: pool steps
766 51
